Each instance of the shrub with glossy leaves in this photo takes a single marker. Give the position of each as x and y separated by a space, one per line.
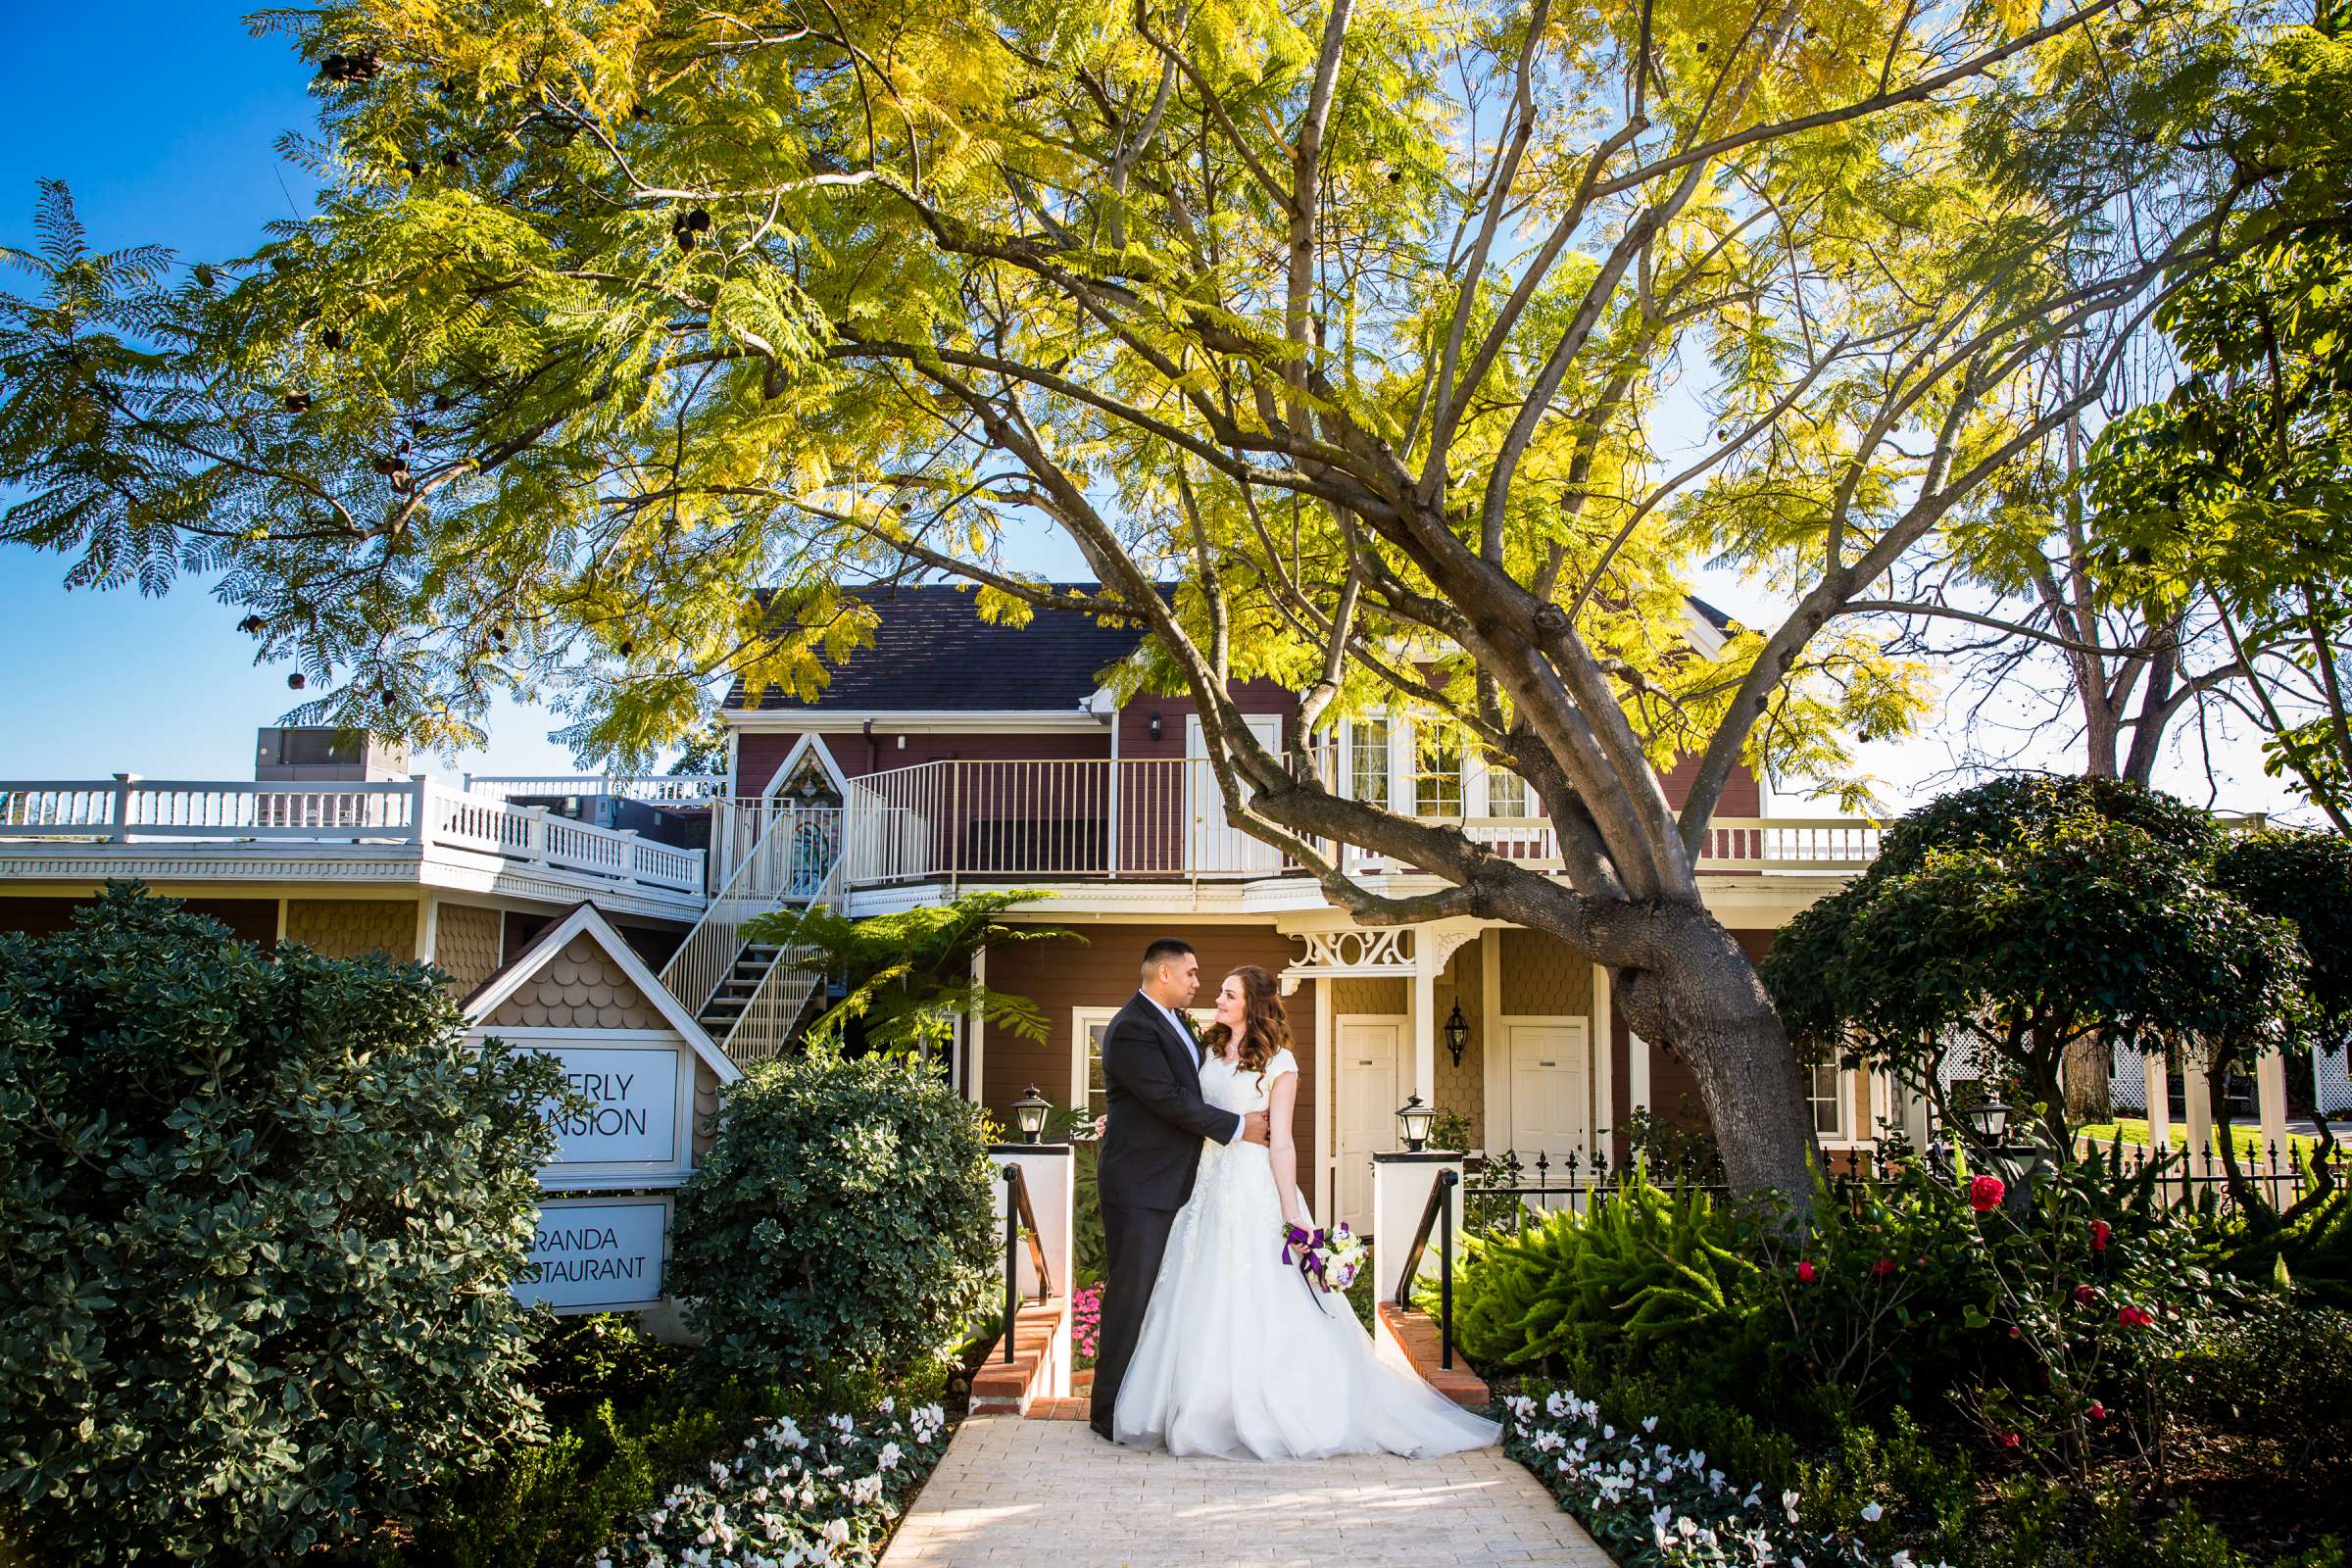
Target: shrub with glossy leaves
842 1224
260 1217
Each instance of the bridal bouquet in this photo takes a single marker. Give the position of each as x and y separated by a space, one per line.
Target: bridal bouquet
1328 1259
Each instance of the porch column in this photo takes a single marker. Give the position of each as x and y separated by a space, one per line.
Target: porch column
1636 1071
2200 1111
1495 1052
1425 1024
1327 1093
977 1031
1604 1066
2157 1074
2269 1099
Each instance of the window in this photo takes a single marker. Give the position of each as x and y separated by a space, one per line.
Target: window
1506 793
1829 1106
1368 760
1437 775
1087 1028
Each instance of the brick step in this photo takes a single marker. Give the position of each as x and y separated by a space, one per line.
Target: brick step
1039 1368
1416 1334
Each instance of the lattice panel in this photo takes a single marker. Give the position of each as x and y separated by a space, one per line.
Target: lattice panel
347 928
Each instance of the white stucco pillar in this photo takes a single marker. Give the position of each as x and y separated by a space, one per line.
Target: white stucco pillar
1048 1171
2269 1105
1401 1187
1636 1071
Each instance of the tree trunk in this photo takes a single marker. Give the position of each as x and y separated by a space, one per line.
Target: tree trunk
1703 997
2088 1080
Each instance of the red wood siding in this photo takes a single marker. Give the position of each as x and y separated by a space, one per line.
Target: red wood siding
252 920
1065 973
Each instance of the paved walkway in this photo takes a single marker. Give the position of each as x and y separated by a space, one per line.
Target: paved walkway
1052 1494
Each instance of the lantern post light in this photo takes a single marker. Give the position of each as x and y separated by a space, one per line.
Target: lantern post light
1029 1111
1413 1120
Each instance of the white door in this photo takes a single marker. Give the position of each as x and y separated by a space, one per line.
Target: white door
1366 1050
1552 1074
1215 846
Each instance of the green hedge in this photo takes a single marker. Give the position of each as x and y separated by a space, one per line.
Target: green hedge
843 1225
262 1218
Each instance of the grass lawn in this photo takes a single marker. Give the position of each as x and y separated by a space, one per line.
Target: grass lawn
2246 1139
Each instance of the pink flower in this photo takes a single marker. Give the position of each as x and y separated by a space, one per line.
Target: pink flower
2009 1440
1984 1194
2097 1411
2136 1317
1804 1273
2100 1230
1883 1267
2083 1295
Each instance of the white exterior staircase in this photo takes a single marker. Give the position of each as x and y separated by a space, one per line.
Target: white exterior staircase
750 996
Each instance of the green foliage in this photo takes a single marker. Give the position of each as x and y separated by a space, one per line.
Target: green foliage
2025 916
2313 1243
842 1223
262 1220
2305 878
910 975
1634 1273
1672 1151
2282 1367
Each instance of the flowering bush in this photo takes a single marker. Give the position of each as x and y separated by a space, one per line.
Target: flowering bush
1085 1323
1647 1502
790 1497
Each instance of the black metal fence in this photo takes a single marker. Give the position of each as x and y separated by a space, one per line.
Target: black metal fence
2279 1176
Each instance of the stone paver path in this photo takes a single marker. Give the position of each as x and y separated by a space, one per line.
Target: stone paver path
1052 1494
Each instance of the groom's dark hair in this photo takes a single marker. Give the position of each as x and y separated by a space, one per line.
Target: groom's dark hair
1161 950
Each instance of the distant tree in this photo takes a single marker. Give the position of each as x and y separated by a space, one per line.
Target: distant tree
705 752
909 976
2305 878
2019 917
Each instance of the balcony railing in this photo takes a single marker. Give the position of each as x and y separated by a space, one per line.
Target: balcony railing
129 809
1165 818
663 789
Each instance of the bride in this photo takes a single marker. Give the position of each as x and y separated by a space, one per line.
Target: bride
1240 1356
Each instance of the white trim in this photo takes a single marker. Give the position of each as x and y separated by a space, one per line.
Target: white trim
1326 1100
590 919
974 1073
1081 1095
792 762
912 721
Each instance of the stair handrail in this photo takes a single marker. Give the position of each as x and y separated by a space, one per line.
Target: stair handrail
707 956
763 1029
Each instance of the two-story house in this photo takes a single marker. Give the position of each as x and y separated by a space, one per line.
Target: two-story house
959 753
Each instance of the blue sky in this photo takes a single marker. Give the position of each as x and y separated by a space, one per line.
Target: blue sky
164 120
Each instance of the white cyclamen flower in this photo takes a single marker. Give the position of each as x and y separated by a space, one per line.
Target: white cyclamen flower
1872 1513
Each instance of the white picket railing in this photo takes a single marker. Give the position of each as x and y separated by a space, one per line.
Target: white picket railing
658 789
764 1026
1155 817
793 860
129 809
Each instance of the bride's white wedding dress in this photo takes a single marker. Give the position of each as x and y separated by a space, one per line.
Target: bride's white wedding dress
1239 1356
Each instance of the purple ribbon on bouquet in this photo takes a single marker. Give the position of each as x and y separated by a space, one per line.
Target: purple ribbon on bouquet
1310 1261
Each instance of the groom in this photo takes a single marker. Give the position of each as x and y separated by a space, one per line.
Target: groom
1151 1150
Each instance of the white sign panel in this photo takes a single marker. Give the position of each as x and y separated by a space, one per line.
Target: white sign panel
597 1254
632 1110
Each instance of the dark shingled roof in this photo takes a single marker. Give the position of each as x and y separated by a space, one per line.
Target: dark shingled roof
933 652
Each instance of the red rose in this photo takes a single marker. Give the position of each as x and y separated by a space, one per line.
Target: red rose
1804 1273
1883 1267
2009 1440
2083 1295
2097 1411
2136 1317
2100 1232
1984 1194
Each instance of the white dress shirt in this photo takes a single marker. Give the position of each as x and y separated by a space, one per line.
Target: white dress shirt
1182 1033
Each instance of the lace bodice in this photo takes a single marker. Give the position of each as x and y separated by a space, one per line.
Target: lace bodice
1230 1089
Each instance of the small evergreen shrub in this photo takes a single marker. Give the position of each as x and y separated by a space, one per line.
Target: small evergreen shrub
261 1218
842 1224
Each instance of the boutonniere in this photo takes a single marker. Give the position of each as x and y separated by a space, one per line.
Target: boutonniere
1190 1027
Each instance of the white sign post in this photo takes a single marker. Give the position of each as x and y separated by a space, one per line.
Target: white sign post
598 1255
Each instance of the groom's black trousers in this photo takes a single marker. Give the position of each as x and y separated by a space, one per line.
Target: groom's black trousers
1134 1240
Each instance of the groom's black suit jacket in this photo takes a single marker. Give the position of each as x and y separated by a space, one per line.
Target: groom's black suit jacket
1151 1148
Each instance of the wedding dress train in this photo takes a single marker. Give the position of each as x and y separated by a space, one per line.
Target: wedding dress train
1240 1357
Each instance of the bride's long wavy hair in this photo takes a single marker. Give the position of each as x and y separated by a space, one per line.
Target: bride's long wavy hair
1266 1026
